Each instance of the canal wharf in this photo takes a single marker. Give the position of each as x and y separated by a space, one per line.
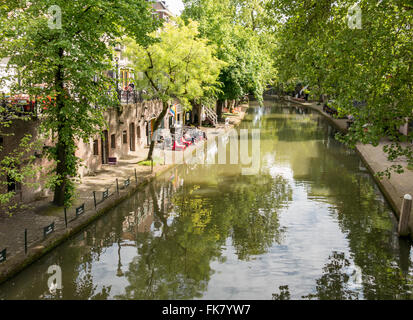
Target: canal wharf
31 233
375 159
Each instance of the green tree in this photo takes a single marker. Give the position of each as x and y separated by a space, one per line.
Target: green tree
176 264
68 63
235 28
178 65
17 165
373 64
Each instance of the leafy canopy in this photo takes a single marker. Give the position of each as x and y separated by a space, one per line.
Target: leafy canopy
178 65
371 64
69 64
237 29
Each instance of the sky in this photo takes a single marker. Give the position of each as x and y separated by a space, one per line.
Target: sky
176 6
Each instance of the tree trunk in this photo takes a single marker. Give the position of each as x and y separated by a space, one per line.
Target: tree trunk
192 115
60 188
194 108
62 145
200 115
231 106
220 104
158 120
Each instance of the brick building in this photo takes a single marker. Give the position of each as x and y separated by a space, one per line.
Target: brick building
127 135
162 10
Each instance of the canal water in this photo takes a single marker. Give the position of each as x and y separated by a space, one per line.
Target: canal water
310 224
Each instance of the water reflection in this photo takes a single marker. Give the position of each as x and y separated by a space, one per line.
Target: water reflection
176 263
311 225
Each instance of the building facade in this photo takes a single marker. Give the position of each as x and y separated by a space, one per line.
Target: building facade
127 135
162 10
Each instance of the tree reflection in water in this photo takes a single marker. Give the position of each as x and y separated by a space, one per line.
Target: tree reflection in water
166 241
333 284
176 264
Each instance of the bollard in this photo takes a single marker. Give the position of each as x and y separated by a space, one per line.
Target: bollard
136 177
405 216
117 185
25 241
94 198
65 217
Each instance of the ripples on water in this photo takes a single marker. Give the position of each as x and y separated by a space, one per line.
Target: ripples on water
311 225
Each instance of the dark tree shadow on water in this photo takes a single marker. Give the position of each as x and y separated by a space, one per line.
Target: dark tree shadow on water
332 285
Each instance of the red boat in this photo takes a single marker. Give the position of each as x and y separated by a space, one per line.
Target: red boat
177 147
185 142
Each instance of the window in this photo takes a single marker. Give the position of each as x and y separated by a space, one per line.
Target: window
132 136
12 185
125 137
124 78
95 147
113 141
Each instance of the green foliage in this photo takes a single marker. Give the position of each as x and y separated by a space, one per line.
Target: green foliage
238 30
372 64
18 166
69 65
283 295
177 65
334 283
148 163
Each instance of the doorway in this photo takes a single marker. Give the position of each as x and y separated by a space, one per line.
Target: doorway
105 147
132 137
138 134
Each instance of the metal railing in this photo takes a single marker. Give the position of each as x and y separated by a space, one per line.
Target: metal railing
12 108
129 96
89 206
211 115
